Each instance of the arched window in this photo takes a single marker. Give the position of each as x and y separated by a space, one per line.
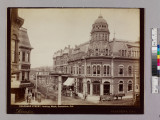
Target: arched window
98 69
122 52
71 69
108 70
82 69
129 70
121 70
79 70
137 87
120 86
88 69
94 69
129 85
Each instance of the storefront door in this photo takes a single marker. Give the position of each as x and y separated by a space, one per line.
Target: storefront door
96 88
106 88
88 87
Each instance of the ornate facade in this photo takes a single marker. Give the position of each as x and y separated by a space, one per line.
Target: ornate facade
16 23
24 54
20 58
101 66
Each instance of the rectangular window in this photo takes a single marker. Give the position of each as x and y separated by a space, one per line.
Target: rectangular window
79 70
28 57
98 69
107 70
121 87
13 51
94 69
71 69
121 70
23 75
104 69
122 52
80 86
82 69
23 56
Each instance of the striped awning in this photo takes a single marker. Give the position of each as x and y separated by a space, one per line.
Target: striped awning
69 82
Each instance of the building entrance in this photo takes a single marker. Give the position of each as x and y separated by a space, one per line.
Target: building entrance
96 88
106 88
88 87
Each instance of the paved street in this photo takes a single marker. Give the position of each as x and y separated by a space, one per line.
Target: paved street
78 101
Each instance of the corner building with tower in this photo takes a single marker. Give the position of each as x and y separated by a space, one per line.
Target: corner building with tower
101 65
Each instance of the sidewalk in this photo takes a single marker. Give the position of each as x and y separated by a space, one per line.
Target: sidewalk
33 102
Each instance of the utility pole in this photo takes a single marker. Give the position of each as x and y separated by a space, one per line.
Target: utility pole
134 84
59 89
36 83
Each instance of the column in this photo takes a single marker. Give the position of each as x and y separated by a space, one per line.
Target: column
111 86
36 82
84 86
59 89
28 75
16 51
101 88
20 76
76 86
91 88
75 69
25 75
85 66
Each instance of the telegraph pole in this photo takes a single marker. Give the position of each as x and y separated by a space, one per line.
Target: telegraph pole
36 82
59 89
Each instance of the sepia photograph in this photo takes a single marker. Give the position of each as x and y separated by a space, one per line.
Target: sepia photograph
75 61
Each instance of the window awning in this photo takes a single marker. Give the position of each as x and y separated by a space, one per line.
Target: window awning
69 82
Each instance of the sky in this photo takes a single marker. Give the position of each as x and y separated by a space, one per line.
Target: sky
52 29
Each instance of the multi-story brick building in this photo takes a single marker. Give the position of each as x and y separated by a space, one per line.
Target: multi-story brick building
101 65
20 57
16 22
24 54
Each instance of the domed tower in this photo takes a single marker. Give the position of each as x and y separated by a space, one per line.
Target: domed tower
99 38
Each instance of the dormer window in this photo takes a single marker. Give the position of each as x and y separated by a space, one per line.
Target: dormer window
123 52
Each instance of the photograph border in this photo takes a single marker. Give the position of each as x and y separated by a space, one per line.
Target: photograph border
75 109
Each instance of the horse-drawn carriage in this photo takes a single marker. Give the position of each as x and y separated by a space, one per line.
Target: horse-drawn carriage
110 97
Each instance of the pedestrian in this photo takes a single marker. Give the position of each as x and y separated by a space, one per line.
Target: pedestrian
29 97
70 92
39 97
85 96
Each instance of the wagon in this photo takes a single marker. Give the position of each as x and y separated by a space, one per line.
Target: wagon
107 97
110 97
